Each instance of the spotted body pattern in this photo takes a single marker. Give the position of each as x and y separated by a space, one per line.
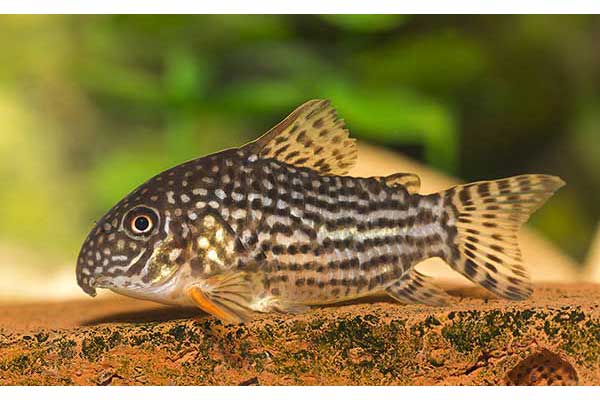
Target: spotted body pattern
276 226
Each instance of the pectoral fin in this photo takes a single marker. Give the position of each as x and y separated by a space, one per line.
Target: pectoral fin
226 296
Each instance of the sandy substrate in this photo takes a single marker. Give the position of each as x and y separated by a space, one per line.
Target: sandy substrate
553 338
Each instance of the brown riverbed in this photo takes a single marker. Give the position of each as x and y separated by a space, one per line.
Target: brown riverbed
553 338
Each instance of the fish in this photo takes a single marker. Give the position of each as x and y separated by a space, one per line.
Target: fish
278 226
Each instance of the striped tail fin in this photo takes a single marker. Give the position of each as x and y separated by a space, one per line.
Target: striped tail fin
482 221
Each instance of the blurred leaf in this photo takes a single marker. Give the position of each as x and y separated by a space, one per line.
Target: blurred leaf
365 22
120 82
187 77
122 170
263 96
565 223
586 139
439 61
397 116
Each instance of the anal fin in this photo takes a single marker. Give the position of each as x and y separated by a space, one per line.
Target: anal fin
417 288
226 296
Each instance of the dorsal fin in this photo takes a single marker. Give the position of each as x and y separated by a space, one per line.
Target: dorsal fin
311 136
411 182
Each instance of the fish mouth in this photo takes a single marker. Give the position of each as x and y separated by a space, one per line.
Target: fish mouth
91 288
87 284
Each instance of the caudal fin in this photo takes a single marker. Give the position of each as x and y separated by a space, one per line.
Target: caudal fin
483 220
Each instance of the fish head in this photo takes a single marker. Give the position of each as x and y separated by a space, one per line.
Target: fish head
140 244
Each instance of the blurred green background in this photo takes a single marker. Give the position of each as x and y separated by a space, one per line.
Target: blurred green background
91 106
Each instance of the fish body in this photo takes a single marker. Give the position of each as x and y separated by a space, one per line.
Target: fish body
276 225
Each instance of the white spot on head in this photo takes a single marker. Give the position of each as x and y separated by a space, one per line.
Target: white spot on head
174 254
203 242
200 204
256 214
184 183
226 178
178 212
253 158
170 198
281 204
213 204
220 194
215 169
267 184
219 235
209 221
192 215
237 196
225 213
200 192
185 198
213 256
208 179
239 213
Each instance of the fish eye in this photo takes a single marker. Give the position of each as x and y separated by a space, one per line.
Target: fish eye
141 224
140 221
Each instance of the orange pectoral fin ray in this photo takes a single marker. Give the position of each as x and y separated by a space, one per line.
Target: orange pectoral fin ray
206 305
226 296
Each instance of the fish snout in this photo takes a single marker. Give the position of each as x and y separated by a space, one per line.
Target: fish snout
85 277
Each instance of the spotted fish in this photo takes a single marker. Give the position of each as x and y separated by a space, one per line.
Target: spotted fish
278 226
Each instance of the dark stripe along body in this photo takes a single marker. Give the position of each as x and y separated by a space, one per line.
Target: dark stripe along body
318 239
